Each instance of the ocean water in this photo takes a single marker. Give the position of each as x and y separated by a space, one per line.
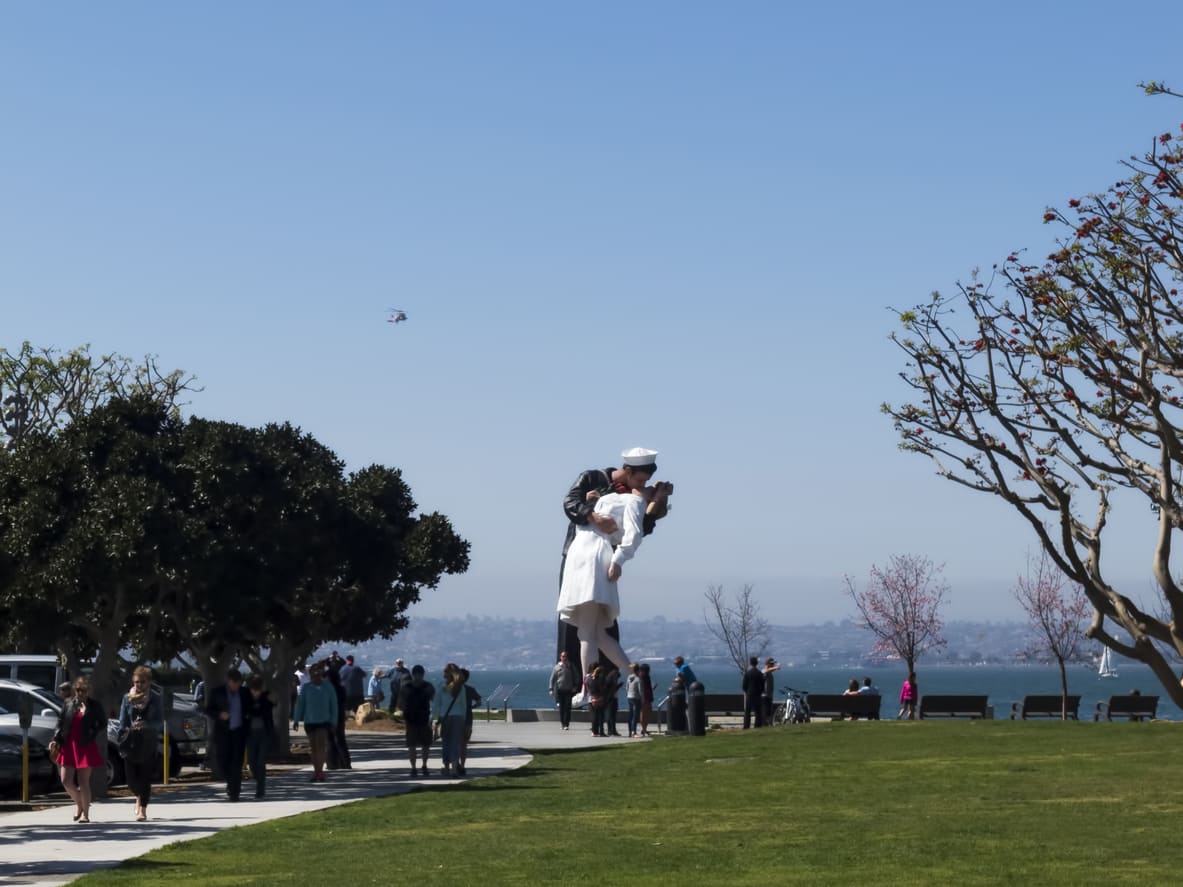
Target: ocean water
1002 684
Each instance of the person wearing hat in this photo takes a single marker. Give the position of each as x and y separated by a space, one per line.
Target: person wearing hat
588 595
580 507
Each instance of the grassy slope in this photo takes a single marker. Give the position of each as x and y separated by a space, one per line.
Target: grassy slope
895 803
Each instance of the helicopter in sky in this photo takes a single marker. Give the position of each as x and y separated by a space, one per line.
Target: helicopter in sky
397 315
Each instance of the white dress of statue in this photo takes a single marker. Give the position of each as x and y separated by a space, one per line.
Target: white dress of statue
587 599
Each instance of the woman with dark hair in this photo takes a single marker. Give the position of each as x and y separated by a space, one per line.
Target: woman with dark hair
75 748
141 712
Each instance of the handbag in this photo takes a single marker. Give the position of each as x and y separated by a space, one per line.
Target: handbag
136 746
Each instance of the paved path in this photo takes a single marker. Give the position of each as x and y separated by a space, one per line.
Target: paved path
41 848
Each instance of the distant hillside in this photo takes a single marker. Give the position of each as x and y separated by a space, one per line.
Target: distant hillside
484 642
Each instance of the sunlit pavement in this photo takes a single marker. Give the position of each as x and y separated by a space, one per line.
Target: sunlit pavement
45 847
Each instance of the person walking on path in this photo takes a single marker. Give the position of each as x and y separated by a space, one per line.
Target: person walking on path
753 694
260 730
414 701
450 703
141 712
563 684
227 707
317 708
74 745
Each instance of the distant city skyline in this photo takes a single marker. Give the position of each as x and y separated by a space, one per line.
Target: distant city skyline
666 225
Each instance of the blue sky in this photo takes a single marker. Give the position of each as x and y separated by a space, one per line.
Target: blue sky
673 225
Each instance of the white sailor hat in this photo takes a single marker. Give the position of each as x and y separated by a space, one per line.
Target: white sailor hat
638 456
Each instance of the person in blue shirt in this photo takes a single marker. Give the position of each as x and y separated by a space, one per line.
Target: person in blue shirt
686 673
317 708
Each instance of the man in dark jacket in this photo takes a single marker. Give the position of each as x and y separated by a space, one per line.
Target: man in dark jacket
260 729
353 679
753 694
228 708
579 506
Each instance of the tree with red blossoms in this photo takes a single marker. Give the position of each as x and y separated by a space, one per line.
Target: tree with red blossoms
1057 387
1059 617
901 607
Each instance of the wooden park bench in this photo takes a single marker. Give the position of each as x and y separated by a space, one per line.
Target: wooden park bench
1044 707
1136 708
839 706
953 706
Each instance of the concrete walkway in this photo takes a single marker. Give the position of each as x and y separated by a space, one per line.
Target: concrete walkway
40 848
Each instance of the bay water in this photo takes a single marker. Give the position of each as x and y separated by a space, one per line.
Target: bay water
1003 684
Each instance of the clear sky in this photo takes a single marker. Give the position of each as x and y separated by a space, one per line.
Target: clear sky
671 225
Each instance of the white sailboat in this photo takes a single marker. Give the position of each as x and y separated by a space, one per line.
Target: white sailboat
1107 669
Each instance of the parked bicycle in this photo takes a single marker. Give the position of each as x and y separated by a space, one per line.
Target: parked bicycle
795 708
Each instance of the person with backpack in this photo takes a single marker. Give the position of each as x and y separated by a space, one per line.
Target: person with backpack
414 700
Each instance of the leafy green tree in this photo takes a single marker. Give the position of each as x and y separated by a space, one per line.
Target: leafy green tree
1053 385
283 552
82 512
43 389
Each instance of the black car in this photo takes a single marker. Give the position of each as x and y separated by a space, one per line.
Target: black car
43 775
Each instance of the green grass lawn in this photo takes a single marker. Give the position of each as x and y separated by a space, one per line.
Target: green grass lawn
886 803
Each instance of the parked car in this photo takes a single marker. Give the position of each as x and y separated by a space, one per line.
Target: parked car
46 708
186 740
43 776
42 729
43 701
43 670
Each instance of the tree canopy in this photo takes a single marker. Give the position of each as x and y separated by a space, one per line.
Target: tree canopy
1053 384
901 606
43 389
130 529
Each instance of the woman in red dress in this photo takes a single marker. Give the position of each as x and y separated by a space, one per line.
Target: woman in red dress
75 748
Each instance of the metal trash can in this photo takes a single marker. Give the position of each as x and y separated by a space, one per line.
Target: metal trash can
696 710
677 708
